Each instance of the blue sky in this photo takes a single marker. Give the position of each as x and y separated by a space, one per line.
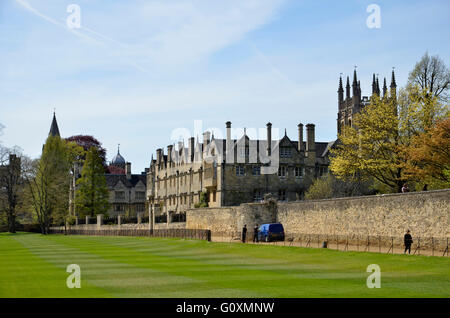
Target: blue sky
136 71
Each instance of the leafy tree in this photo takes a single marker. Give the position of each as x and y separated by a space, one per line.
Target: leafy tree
328 186
49 181
92 192
203 200
371 149
87 142
429 156
431 74
374 147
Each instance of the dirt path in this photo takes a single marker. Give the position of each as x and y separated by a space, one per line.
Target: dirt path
341 247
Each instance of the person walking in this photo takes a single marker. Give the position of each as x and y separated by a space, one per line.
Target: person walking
255 234
244 233
408 241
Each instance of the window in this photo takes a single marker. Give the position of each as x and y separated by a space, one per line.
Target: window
120 195
323 170
299 172
119 207
140 207
282 195
257 196
285 152
282 171
214 196
256 170
239 170
140 195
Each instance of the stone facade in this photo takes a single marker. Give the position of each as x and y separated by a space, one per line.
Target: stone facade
426 214
231 171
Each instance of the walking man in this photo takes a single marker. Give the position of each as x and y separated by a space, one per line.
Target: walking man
244 233
255 234
408 241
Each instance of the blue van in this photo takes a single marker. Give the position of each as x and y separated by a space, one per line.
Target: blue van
271 232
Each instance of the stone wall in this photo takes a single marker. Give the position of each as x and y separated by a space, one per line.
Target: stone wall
426 214
230 219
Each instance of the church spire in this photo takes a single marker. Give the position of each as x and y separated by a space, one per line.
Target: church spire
393 85
355 83
54 130
378 87
340 90
384 88
374 88
347 88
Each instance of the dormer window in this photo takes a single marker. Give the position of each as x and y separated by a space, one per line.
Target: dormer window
285 152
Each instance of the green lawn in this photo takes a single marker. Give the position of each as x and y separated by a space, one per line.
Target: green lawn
33 265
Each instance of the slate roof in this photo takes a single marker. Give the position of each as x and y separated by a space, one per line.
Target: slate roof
321 147
113 179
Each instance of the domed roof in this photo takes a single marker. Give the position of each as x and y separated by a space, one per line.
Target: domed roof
118 159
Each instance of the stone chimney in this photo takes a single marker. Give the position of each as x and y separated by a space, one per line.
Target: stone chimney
169 154
191 148
269 139
310 145
158 156
128 170
206 139
229 154
301 147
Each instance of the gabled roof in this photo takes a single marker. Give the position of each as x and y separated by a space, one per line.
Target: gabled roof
113 179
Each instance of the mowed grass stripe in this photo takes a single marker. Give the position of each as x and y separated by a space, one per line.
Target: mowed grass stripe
285 271
151 267
118 279
201 285
24 274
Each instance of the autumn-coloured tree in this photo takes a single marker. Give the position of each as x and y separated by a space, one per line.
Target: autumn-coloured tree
429 155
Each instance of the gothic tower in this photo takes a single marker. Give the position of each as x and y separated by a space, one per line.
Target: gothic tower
351 105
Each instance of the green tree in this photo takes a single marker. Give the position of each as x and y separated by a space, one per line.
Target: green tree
328 186
49 180
92 192
374 146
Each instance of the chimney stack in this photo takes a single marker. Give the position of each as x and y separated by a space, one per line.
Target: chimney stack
301 147
269 139
310 145
229 155
158 156
169 154
191 148
128 170
206 139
